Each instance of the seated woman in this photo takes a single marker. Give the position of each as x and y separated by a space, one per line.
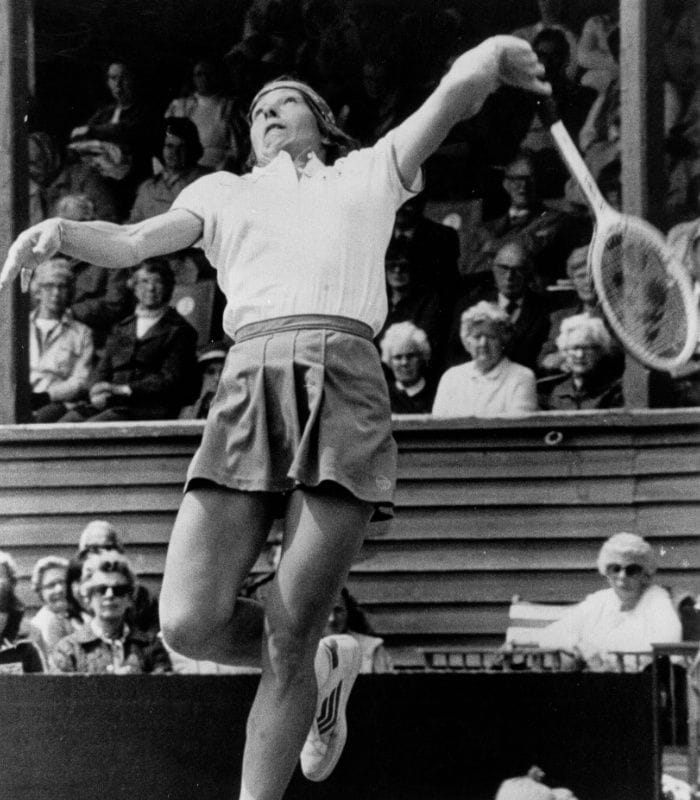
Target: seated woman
630 615
347 617
106 645
55 619
406 353
591 362
17 656
490 384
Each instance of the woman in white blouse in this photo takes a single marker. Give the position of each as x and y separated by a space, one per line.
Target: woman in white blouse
489 385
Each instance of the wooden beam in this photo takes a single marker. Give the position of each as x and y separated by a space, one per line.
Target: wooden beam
642 103
14 197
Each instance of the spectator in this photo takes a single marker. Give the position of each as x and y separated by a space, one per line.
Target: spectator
589 381
100 537
347 617
181 151
630 615
491 384
116 140
55 619
60 347
17 656
406 353
219 123
8 568
530 787
149 368
546 232
409 301
211 363
106 645
552 18
594 54
44 163
101 297
512 271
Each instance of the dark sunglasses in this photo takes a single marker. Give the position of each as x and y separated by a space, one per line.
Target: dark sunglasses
120 590
631 570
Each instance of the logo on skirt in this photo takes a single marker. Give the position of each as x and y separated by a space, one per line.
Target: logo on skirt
383 483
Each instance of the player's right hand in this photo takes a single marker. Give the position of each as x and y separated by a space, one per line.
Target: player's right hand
30 249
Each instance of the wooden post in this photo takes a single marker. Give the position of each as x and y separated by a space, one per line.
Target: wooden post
642 103
14 202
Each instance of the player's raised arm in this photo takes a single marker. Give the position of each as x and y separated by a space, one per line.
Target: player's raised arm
101 243
461 93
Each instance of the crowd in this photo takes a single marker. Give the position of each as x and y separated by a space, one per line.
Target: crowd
491 306
95 617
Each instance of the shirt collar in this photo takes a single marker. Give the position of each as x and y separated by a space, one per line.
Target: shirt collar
411 391
282 163
492 375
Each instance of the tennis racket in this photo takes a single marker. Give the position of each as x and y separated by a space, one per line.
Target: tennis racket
646 295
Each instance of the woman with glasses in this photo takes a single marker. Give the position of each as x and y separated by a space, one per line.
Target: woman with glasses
590 360
406 353
106 644
629 616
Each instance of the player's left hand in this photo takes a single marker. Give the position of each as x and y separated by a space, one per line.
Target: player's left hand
519 66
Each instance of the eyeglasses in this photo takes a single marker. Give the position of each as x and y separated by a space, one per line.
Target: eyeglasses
631 570
584 348
519 178
59 286
120 590
405 356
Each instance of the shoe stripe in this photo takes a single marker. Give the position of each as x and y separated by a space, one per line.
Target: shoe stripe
329 710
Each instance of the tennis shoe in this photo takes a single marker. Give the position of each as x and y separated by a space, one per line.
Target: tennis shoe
337 664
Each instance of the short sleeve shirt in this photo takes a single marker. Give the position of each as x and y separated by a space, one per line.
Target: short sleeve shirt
284 244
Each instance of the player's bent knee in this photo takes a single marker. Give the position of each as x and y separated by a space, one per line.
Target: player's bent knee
186 634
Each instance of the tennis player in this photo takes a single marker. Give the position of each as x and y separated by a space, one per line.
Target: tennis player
300 425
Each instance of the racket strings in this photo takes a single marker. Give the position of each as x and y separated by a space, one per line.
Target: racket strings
644 299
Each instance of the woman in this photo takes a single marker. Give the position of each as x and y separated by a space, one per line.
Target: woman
301 424
489 385
17 656
630 615
406 352
106 644
592 371
347 617
55 619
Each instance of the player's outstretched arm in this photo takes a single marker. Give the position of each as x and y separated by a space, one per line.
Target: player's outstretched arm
101 243
461 93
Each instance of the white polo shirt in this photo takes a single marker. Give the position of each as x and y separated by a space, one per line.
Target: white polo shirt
284 244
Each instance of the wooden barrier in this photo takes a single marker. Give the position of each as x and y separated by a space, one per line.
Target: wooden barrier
484 508
412 737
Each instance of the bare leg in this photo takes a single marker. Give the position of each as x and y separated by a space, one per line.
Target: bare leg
323 532
217 537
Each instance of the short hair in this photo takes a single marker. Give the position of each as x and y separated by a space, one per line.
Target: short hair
401 332
185 129
10 604
627 547
78 207
528 264
593 328
99 533
44 564
556 37
106 562
490 313
55 267
9 566
161 267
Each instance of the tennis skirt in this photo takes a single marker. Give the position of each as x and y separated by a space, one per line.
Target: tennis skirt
301 400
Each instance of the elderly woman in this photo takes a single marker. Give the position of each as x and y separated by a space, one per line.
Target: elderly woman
406 352
630 615
348 617
54 619
17 656
106 645
490 384
592 377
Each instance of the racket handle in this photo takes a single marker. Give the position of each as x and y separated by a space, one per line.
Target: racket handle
547 111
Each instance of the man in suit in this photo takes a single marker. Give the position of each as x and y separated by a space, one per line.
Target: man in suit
149 366
510 288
